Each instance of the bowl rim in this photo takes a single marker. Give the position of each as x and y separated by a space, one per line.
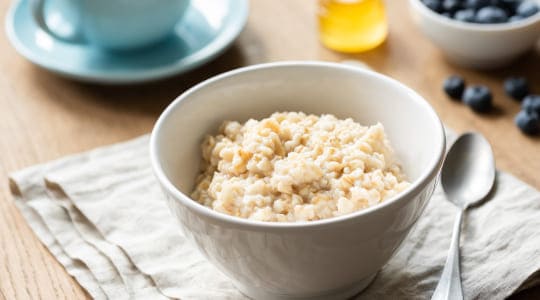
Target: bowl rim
418 5
416 186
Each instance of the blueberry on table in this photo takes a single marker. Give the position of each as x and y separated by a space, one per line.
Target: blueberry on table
434 5
527 8
465 15
476 4
528 122
454 86
478 97
531 103
516 87
491 14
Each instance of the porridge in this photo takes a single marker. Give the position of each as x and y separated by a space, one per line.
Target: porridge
293 167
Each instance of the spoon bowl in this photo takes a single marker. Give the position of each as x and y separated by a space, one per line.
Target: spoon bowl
469 170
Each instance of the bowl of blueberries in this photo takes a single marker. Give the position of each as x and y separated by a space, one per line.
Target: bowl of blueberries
480 34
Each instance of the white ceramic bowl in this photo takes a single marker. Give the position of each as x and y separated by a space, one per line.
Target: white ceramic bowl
481 46
332 258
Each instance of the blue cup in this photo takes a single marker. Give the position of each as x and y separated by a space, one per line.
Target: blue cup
109 24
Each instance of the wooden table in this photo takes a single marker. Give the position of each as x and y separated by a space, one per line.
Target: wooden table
43 117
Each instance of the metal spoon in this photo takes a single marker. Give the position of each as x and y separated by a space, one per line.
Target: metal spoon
467 177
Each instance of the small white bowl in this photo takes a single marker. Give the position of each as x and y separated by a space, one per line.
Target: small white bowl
327 259
480 46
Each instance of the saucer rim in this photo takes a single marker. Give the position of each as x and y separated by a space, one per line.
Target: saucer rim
222 41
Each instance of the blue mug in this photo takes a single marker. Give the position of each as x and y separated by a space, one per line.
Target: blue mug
110 24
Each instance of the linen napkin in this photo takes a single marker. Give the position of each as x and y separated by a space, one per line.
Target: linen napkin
103 216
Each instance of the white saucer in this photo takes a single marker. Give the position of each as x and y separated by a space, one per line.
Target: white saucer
206 30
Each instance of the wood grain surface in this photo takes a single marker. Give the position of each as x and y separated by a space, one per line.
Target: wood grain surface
43 117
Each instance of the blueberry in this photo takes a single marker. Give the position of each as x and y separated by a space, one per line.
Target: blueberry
476 4
510 5
446 14
465 15
451 6
527 9
434 5
516 87
528 122
491 14
515 18
478 97
454 86
531 104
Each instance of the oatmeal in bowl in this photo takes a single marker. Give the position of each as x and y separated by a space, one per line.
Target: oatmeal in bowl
313 183
292 167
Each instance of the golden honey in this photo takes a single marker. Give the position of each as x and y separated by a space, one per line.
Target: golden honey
352 25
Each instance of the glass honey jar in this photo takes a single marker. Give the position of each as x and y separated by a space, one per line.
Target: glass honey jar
352 25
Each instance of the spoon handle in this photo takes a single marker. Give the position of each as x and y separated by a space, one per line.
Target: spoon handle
449 286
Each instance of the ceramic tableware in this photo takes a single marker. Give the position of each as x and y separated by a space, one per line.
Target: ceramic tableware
206 30
326 259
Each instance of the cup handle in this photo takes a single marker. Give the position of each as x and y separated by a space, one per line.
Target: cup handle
38 12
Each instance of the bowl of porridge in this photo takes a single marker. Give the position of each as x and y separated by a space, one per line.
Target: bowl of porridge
298 179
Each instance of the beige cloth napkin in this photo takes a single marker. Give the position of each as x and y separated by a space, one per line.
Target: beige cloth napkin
103 216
